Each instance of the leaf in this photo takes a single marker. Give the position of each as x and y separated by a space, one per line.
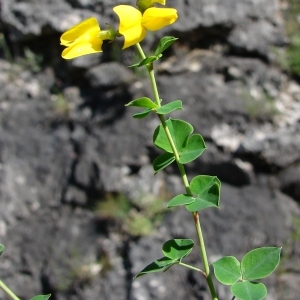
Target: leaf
168 108
179 130
1 248
188 147
249 290
207 191
162 161
227 270
194 148
177 248
41 297
260 262
142 114
142 102
144 62
158 265
164 43
181 200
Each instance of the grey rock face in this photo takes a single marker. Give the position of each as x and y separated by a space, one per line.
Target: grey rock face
67 144
109 75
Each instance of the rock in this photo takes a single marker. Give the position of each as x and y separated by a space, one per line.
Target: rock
289 181
256 37
36 162
246 26
271 147
206 13
288 286
109 75
75 196
85 62
67 141
251 26
27 20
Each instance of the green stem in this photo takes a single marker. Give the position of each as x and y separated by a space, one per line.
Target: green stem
204 256
183 176
7 290
176 154
151 75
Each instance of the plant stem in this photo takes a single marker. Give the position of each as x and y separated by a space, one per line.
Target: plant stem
151 75
7 290
183 176
180 166
204 256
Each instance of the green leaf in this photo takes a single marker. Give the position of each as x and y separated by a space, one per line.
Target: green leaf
164 43
41 297
249 290
188 147
162 161
260 262
142 102
179 130
194 148
158 265
144 62
1 248
177 248
181 200
207 191
142 114
227 270
168 108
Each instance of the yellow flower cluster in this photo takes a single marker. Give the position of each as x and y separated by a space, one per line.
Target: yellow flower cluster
87 37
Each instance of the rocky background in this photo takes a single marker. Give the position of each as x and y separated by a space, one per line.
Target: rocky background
80 210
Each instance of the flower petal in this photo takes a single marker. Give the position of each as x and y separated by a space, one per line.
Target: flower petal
81 31
130 24
155 18
82 48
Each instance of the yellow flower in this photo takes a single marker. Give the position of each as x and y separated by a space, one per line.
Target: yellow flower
133 24
83 38
156 18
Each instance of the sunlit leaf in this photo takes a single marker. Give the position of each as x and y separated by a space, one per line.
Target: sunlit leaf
168 108
158 265
194 148
177 248
164 43
249 290
143 102
227 270
260 262
179 130
162 161
144 62
142 114
41 297
181 200
206 190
